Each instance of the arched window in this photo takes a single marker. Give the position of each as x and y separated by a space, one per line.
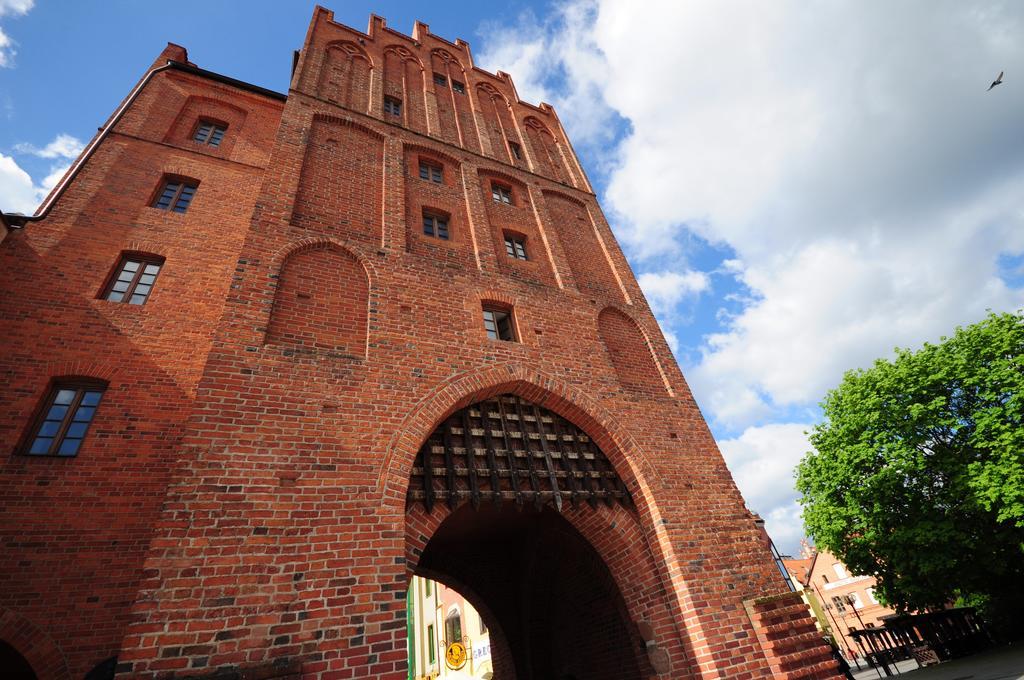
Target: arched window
453 626
175 193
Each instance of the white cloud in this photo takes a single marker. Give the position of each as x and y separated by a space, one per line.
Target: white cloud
558 62
847 158
848 155
665 290
840 303
15 7
762 460
17 193
11 8
672 339
50 181
786 528
62 146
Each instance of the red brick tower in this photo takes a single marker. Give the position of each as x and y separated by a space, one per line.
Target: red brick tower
268 356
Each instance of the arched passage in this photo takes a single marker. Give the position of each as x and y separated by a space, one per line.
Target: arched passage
518 505
555 606
23 641
14 665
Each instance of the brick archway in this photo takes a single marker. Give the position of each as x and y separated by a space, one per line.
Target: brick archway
631 543
544 390
498 586
38 648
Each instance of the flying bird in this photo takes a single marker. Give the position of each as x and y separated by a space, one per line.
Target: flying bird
997 81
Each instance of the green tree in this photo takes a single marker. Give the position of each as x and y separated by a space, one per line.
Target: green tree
917 477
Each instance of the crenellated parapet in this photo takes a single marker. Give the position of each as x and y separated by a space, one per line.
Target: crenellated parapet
431 86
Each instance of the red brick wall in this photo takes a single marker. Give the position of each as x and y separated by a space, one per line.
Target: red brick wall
545 151
629 353
345 76
517 219
269 484
73 532
321 302
447 198
792 643
403 79
340 185
591 269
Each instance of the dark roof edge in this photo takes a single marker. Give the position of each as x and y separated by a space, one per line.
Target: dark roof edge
227 80
18 221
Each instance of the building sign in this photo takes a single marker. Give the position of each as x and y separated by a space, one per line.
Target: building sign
455 656
481 651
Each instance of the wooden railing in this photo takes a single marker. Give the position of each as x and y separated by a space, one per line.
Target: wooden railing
930 638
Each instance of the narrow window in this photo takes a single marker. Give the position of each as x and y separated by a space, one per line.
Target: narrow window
431 172
515 246
61 427
428 588
483 626
517 152
393 106
498 324
458 87
176 194
453 627
208 132
440 79
134 279
501 194
839 604
435 224
430 644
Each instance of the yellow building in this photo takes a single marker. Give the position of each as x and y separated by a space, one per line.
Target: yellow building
438 617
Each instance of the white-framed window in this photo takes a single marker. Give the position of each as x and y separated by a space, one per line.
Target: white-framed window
840 571
515 246
501 193
498 323
871 595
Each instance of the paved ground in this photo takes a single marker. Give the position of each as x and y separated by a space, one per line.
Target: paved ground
1000 664
871 674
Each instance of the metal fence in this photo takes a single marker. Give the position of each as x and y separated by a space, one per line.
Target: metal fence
929 638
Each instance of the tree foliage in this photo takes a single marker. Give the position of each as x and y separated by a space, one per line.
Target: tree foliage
917 477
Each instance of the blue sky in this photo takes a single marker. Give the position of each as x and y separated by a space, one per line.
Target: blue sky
800 187
74 61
